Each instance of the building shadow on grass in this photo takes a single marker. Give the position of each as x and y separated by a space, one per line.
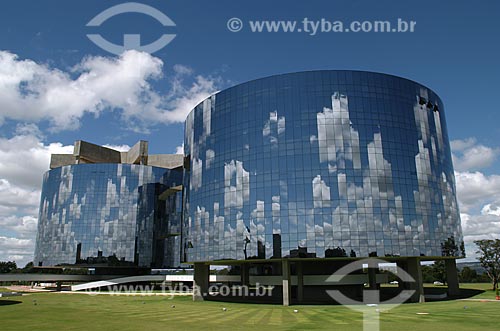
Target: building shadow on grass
9 302
465 293
317 295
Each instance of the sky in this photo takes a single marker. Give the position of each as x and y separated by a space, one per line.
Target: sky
57 86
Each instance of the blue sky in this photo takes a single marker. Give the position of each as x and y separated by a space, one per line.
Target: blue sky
454 51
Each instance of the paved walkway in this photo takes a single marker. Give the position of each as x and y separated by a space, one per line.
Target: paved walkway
25 288
166 294
481 300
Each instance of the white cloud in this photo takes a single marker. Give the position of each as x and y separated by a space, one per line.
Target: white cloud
18 250
24 226
236 184
469 155
18 197
485 225
182 69
490 209
120 148
475 189
179 149
321 192
33 92
482 226
184 99
24 158
209 158
478 194
462 144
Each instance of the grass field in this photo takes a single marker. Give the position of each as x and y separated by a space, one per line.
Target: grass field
59 311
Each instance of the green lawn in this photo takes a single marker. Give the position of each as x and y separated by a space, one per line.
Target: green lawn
56 311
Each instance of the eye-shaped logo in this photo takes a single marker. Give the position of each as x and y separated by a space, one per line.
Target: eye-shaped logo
371 298
131 41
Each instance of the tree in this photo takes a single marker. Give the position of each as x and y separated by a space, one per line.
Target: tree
468 275
489 256
6 267
449 247
434 272
427 276
439 271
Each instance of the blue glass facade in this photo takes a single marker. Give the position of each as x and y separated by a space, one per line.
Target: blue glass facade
320 164
109 213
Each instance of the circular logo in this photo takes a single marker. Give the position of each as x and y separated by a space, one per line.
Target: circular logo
368 295
234 24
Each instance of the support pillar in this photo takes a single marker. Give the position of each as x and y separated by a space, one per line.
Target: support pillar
245 274
372 278
300 282
200 281
415 270
452 277
402 265
285 272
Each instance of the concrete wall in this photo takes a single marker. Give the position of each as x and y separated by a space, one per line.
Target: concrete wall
59 160
169 161
137 154
85 152
91 153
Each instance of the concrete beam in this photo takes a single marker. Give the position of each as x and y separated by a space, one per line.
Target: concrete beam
137 154
85 152
60 160
170 191
169 161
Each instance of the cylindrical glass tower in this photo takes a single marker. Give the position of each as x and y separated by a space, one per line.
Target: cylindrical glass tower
320 164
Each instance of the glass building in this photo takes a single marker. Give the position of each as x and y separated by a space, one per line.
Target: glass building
115 214
290 175
320 164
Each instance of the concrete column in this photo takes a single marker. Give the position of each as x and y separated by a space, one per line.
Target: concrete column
285 266
402 265
452 277
300 282
415 270
372 278
245 274
200 281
